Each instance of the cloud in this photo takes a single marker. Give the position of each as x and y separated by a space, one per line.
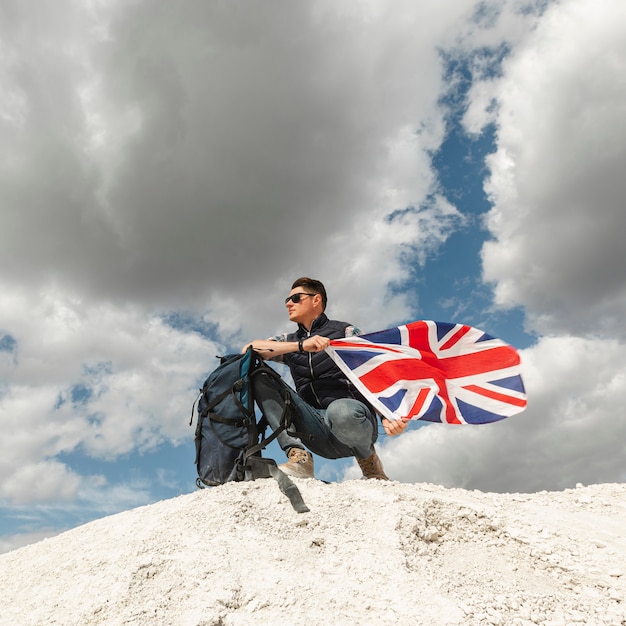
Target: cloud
556 178
99 380
164 148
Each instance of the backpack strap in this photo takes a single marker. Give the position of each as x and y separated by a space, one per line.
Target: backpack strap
259 467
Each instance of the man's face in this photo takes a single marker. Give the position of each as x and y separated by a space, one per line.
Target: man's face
304 310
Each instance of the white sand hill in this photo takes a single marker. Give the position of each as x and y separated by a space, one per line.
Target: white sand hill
369 552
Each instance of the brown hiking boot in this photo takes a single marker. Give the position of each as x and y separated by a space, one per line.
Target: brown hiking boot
372 467
300 464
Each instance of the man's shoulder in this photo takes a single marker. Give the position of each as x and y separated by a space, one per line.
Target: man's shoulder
347 328
350 328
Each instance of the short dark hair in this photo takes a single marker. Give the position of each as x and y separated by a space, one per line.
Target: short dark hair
312 285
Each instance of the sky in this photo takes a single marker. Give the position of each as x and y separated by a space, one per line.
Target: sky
168 169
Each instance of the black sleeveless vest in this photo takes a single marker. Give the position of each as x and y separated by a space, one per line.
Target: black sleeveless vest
318 380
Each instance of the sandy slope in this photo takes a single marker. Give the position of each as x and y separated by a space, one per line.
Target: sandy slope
367 553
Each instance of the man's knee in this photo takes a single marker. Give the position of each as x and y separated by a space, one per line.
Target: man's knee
353 424
347 412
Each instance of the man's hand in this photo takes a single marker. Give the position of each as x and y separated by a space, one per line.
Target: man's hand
394 427
315 343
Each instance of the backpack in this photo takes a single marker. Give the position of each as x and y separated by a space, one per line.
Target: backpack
229 438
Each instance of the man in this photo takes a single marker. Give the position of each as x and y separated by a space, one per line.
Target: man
331 416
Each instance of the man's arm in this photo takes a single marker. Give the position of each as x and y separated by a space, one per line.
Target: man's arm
270 348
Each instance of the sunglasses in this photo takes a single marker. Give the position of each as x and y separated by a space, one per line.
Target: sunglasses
297 297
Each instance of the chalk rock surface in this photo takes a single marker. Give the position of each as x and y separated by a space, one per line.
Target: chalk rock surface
368 552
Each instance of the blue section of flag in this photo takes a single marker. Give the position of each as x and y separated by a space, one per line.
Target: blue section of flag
476 415
356 359
512 382
393 402
391 335
443 328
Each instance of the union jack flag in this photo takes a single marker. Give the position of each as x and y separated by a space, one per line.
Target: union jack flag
434 371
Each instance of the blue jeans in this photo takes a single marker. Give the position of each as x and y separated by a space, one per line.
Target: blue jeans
346 428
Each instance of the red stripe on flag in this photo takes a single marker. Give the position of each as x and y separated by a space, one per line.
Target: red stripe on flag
386 374
418 404
418 335
494 395
452 416
458 335
342 344
472 364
